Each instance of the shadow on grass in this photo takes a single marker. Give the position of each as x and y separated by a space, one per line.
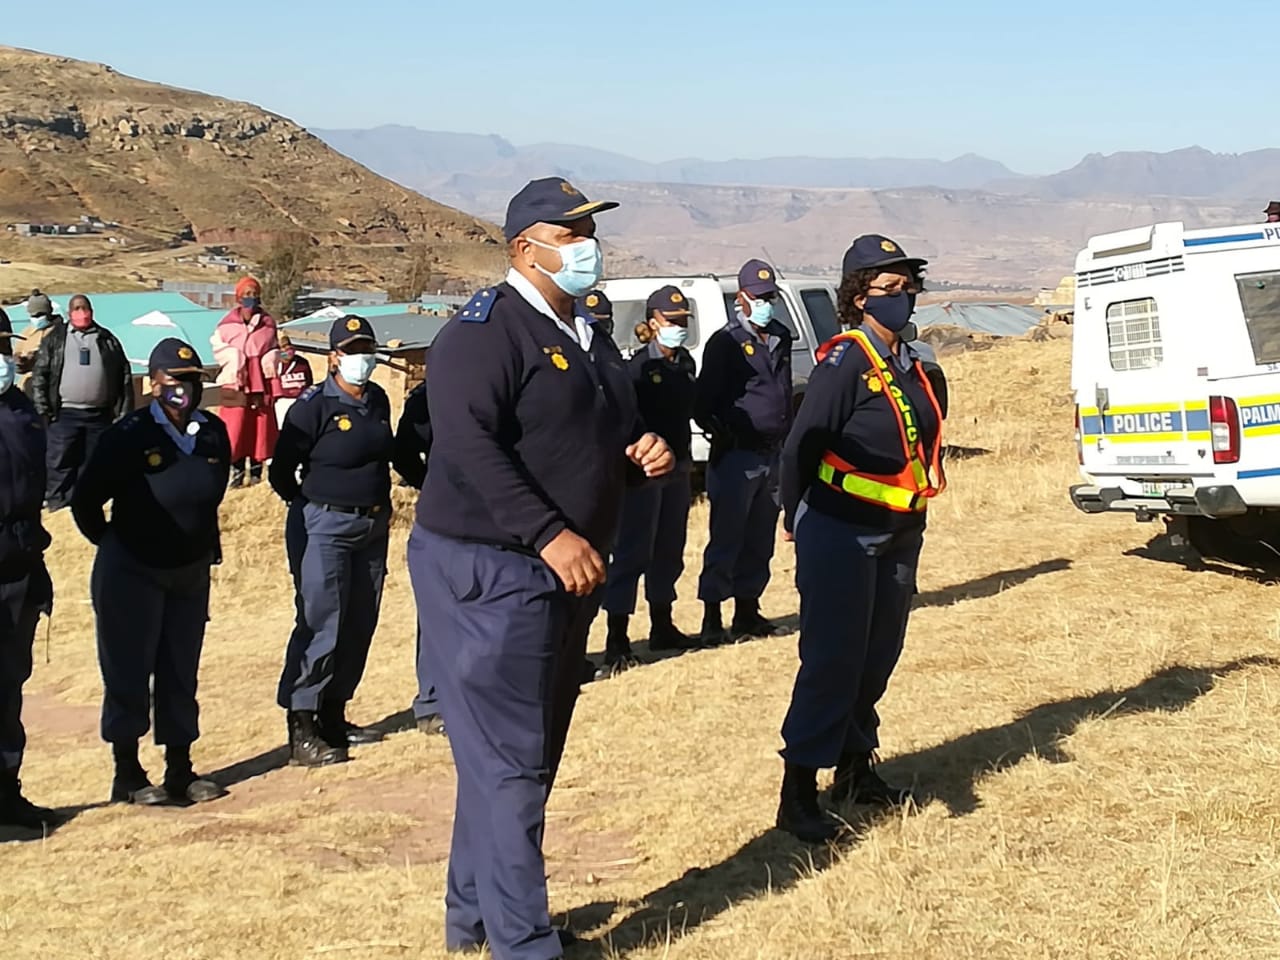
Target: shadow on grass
1163 549
990 585
66 815
949 772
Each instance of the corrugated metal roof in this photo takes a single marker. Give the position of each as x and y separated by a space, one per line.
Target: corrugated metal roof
999 319
413 330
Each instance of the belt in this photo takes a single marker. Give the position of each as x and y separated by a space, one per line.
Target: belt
357 511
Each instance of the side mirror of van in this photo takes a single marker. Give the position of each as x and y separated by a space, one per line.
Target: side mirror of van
909 332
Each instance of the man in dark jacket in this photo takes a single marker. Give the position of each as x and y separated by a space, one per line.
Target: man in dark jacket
81 384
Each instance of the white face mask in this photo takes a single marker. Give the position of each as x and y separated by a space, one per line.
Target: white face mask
581 265
357 368
8 372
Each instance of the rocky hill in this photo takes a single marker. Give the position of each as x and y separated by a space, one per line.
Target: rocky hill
174 165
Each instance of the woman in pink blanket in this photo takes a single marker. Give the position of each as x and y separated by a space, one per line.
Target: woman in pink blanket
244 346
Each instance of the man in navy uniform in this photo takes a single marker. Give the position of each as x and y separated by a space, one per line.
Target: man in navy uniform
412 448
338 437
744 403
600 308
535 430
25 588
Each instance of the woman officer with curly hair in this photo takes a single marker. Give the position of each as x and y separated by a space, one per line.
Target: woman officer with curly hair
859 467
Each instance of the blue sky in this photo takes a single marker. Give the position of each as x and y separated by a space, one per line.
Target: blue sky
1034 84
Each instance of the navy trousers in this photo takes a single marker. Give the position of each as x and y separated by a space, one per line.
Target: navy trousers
506 651
338 562
22 600
856 589
71 441
426 703
650 542
151 624
743 489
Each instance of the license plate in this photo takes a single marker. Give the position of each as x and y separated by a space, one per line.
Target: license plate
1157 489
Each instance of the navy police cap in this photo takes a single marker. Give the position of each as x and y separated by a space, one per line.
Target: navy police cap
598 305
347 330
757 278
549 200
669 301
174 357
872 250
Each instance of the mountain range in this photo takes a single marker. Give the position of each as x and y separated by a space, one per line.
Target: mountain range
980 223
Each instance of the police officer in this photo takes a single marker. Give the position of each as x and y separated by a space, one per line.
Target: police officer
25 588
338 438
743 402
535 427
858 470
600 308
164 468
655 514
412 447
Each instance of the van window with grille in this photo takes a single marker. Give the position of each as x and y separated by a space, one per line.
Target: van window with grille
1133 335
1260 301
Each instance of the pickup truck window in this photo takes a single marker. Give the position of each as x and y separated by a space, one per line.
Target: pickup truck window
1260 301
822 313
780 313
1133 335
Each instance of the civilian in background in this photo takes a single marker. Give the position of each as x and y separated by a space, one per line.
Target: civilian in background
81 383
40 310
247 354
1273 211
295 377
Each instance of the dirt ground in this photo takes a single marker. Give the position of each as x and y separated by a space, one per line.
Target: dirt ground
1091 716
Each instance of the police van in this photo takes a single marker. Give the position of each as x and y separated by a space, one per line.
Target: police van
806 305
1176 374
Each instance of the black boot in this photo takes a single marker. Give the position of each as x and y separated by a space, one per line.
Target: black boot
857 782
798 811
663 633
749 622
130 783
255 471
713 632
617 649
17 811
338 731
306 747
182 783
237 476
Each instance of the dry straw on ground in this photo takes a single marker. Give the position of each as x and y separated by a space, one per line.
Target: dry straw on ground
1095 723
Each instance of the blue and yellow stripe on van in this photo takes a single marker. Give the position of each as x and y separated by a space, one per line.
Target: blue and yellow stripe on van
1260 416
1147 422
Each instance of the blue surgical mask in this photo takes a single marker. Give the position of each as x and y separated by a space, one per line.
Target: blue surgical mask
357 368
250 303
8 371
892 312
673 338
581 265
39 322
761 312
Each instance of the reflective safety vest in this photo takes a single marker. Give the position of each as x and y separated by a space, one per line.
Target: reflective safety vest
910 490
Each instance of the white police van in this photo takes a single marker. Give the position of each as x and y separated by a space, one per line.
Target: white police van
1176 373
806 305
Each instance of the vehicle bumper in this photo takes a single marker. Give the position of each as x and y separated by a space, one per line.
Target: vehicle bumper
1218 500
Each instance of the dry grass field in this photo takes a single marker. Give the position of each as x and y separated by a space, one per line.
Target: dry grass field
1094 722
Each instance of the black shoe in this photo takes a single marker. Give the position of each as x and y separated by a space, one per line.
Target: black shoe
748 622
255 472
182 784
17 811
616 663
664 634
713 633
338 731
566 936
432 726
588 671
130 783
798 811
307 748
858 782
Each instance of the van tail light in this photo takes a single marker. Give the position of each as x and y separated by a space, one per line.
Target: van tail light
1224 428
1079 438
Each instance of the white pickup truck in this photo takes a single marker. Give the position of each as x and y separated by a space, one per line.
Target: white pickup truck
807 305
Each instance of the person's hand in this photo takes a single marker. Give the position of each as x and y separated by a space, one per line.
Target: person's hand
788 536
652 455
575 562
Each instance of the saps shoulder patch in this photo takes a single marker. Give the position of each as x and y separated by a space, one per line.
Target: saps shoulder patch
310 393
478 307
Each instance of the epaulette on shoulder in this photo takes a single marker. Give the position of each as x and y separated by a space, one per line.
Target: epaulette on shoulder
478 307
311 392
136 419
836 352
